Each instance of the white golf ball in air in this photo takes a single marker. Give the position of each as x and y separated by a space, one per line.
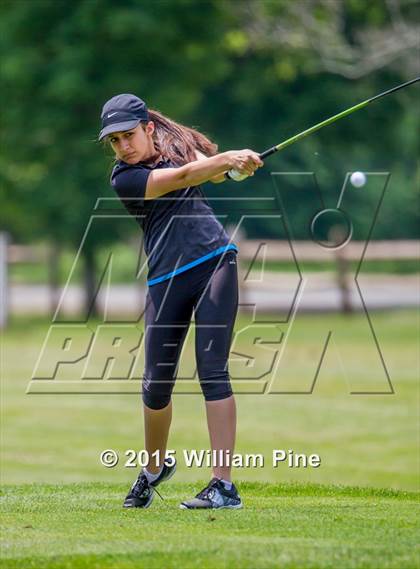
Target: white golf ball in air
358 179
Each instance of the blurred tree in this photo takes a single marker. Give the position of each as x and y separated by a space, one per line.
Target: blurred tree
60 63
283 85
351 38
248 73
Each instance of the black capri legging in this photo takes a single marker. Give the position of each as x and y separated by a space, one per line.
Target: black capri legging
210 289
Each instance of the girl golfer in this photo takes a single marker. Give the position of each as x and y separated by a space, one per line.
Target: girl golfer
192 267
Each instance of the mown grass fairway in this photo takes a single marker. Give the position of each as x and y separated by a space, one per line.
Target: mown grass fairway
363 440
84 526
61 508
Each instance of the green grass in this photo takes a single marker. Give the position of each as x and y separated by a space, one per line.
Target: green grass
370 442
288 526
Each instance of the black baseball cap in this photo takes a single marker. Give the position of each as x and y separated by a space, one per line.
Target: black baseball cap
122 112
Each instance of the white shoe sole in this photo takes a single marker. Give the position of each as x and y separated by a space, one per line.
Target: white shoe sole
238 507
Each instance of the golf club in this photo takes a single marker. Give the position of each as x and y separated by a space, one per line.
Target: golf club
234 175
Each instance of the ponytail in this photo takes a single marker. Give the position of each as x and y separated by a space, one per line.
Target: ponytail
178 143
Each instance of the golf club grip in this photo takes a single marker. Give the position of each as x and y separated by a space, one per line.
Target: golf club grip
234 175
268 152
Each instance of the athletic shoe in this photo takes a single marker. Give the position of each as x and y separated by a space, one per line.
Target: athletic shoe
166 474
214 496
141 494
142 491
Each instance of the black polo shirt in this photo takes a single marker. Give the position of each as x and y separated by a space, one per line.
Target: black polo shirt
180 228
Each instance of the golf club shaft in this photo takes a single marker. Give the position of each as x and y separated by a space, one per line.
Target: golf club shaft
316 127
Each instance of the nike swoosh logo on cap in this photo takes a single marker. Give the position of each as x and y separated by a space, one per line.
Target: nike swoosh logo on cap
112 114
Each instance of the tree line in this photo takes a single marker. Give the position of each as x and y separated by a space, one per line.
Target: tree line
248 73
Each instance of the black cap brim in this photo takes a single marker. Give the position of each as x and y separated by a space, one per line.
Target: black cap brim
118 127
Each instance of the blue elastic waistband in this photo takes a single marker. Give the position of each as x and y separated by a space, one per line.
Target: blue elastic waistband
219 251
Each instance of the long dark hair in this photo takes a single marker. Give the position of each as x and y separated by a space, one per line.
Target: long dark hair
177 142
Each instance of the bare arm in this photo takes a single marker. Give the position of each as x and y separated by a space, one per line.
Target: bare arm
165 180
215 179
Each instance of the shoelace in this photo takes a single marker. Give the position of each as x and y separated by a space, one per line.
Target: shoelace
141 484
160 496
209 489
